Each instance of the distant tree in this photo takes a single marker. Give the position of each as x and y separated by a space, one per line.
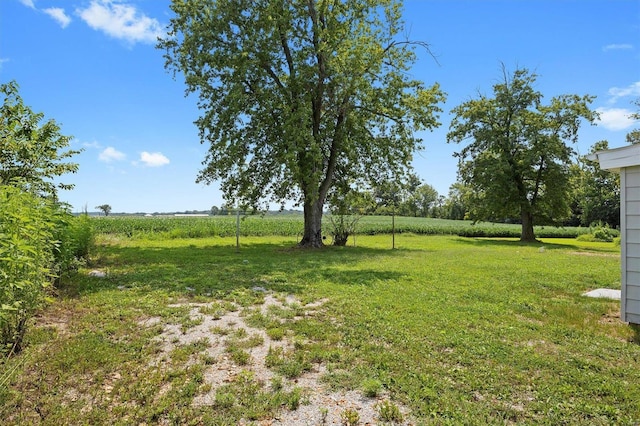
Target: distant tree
32 153
633 137
104 208
438 208
297 94
215 211
597 191
517 161
388 195
422 200
455 205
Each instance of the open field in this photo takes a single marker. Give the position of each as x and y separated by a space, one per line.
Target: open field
162 227
443 330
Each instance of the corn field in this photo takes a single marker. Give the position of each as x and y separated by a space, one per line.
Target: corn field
161 227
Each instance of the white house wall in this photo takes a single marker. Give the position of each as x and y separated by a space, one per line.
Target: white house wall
630 184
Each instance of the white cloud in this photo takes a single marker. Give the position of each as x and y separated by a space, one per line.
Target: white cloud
619 92
111 154
120 21
623 46
28 3
615 118
2 61
58 15
153 159
94 144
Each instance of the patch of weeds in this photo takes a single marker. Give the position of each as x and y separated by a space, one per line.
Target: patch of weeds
190 322
289 366
276 333
350 417
224 399
249 342
221 331
371 387
281 312
276 384
238 356
293 368
293 398
208 359
182 353
389 412
214 310
245 297
255 319
275 357
340 379
240 333
253 341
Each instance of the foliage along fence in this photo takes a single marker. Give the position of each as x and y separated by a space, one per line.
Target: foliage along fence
161 227
39 241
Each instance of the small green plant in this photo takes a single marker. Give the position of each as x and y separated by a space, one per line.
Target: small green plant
274 358
389 412
224 400
350 417
371 387
221 331
214 310
293 399
276 333
239 356
324 412
277 384
189 322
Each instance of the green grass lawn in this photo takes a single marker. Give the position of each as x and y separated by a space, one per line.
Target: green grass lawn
459 331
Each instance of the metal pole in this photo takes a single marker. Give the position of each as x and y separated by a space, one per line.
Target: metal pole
393 228
237 229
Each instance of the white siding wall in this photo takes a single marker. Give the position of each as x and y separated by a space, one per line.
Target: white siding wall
630 185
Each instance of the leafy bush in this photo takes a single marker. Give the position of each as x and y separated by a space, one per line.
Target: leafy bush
74 238
599 232
39 241
26 257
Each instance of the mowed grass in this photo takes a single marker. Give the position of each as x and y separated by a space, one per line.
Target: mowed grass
460 331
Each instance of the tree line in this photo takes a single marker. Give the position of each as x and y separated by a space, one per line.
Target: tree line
311 101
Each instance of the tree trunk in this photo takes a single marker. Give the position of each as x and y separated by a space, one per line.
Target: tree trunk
527 234
312 237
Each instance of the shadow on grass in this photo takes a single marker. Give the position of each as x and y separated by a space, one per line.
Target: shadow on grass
187 269
498 242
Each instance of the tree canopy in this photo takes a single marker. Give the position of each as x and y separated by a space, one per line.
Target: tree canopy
104 208
298 95
516 163
32 153
596 191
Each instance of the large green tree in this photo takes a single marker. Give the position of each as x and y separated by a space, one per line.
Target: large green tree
33 153
298 94
517 160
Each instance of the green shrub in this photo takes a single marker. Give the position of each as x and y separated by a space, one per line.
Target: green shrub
26 257
599 232
74 241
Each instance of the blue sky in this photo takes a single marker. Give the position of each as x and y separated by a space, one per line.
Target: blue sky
92 66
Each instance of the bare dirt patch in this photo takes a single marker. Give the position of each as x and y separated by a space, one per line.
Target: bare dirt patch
320 405
592 254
